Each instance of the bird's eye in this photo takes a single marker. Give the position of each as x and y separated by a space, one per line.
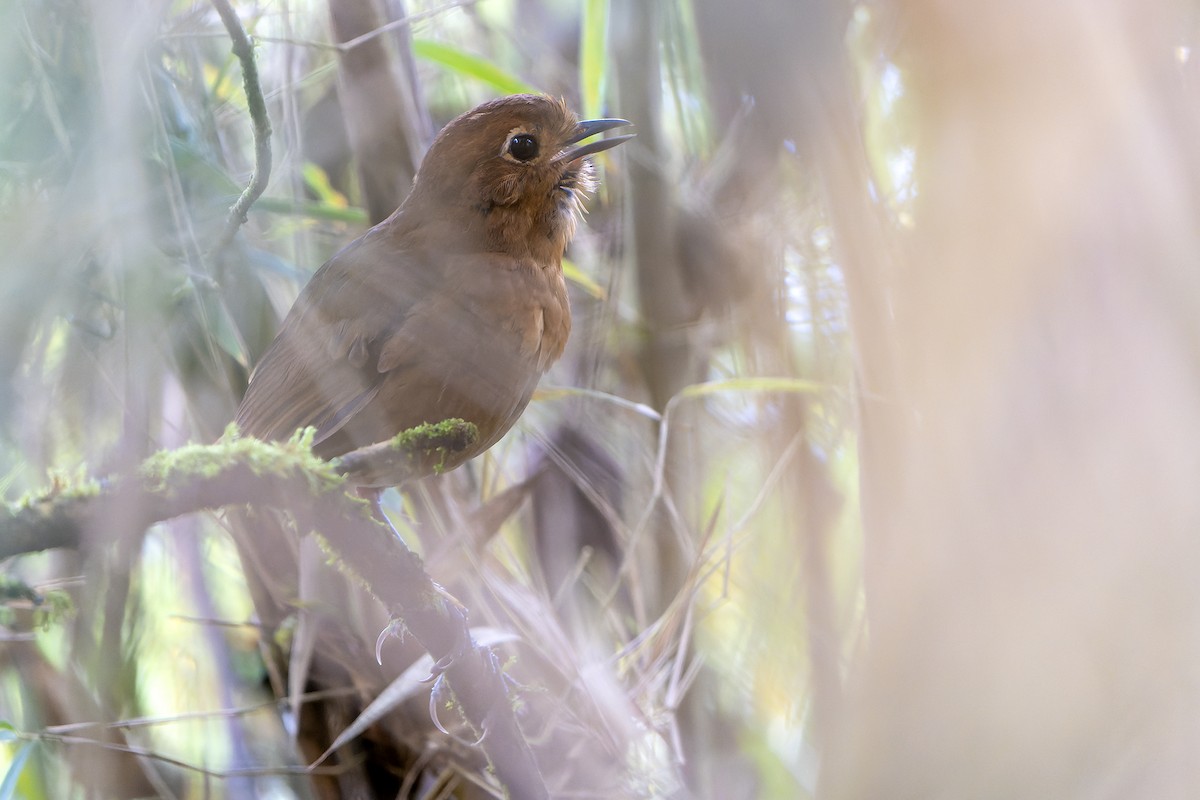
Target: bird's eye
523 147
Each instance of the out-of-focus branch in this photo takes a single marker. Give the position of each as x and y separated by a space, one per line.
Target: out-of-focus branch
1031 589
669 360
244 50
287 476
379 101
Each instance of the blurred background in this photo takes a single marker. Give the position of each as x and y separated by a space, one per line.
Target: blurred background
872 468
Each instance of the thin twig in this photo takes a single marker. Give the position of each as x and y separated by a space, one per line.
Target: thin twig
340 47
244 50
220 713
398 23
154 755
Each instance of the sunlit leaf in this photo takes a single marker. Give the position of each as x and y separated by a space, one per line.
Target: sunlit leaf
317 180
321 211
8 787
470 66
794 385
592 52
575 275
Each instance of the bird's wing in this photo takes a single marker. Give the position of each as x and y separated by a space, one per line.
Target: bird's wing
323 367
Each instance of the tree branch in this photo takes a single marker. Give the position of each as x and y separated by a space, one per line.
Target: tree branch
289 477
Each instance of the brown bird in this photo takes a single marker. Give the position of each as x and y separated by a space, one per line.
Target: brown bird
454 306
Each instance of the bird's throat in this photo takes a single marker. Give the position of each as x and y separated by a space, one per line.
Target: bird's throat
540 232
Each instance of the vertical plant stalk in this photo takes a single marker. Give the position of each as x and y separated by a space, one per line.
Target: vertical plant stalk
243 48
380 104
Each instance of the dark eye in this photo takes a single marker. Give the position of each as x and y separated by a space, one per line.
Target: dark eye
523 147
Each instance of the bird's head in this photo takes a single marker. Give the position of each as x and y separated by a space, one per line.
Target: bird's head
515 170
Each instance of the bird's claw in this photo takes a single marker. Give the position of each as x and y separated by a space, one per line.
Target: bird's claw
440 666
395 628
434 695
462 645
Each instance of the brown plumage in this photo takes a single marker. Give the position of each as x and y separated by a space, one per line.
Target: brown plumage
454 306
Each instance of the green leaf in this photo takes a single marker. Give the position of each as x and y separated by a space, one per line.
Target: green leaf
575 275
216 318
316 179
8 787
201 171
592 56
470 66
304 208
225 332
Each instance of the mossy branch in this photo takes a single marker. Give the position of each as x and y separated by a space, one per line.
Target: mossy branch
233 471
287 476
418 451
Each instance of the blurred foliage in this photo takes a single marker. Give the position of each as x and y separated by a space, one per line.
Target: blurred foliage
124 138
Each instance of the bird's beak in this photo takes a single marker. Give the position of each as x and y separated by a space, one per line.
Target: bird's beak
590 127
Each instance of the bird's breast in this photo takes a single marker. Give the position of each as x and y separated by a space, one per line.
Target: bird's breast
541 321
474 350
